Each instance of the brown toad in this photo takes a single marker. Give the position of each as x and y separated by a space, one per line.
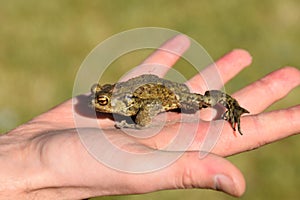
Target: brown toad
145 96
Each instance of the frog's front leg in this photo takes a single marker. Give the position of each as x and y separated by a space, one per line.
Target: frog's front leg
234 110
149 109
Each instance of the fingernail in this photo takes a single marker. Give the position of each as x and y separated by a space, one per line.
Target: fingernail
224 183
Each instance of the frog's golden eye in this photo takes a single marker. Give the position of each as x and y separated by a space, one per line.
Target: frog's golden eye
103 100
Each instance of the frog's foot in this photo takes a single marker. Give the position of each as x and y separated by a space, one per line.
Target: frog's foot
125 124
233 116
234 110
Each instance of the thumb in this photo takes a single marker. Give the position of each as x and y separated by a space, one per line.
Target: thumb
190 171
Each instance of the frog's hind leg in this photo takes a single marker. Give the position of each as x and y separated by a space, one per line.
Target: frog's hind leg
234 110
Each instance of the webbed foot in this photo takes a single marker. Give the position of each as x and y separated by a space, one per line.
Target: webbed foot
234 110
233 116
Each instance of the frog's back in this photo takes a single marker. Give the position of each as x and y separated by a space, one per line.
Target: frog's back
134 83
148 85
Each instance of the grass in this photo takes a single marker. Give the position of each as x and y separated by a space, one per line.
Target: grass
43 43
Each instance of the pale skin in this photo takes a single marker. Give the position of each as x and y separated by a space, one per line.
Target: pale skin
45 159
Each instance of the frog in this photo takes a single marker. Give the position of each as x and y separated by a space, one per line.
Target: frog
145 96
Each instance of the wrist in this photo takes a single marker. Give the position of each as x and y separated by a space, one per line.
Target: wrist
16 170
43 165
25 170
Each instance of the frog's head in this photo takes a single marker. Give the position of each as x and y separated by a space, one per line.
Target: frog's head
100 98
104 99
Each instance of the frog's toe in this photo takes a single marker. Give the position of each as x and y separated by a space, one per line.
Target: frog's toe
124 124
229 116
233 117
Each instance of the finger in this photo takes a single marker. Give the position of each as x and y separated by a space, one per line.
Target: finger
260 130
191 172
162 59
262 93
217 74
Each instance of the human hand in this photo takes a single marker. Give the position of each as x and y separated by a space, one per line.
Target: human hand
46 158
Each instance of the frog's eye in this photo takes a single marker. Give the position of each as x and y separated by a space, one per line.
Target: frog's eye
103 100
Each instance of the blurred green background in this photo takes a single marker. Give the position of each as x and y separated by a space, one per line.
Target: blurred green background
42 44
